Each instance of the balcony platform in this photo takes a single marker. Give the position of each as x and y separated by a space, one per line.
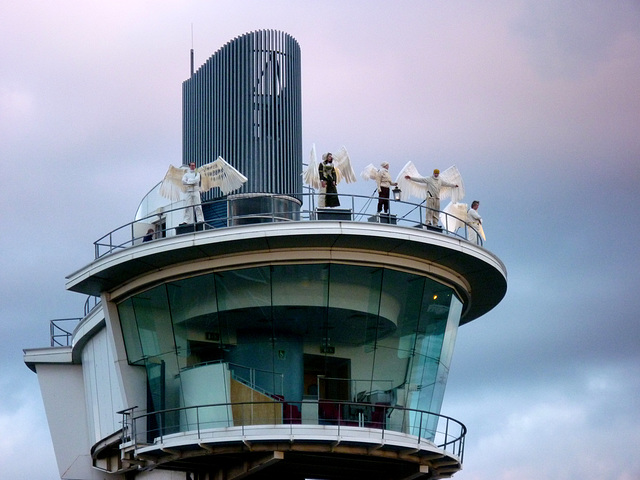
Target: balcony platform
278 451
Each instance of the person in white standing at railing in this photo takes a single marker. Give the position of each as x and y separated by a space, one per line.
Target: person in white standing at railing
178 184
475 221
191 181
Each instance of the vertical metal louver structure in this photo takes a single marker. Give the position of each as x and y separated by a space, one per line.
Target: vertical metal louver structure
245 104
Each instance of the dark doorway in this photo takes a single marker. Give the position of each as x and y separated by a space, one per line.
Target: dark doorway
327 377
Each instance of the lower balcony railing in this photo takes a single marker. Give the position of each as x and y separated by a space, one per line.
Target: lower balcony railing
143 430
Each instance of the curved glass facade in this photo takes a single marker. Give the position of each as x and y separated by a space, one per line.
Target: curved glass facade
245 104
325 331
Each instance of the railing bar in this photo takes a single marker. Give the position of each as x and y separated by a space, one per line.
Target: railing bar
306 211
446 432
455 446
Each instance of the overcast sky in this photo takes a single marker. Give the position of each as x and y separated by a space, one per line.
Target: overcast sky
536 102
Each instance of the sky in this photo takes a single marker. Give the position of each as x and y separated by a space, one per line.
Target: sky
537 102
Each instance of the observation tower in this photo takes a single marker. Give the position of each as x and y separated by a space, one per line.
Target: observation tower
268 342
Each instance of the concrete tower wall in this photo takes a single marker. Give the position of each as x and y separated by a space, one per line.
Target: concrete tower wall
63 393
103 392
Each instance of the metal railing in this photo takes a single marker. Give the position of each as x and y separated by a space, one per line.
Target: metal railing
250 376
154 428
90 303
61 331
356 208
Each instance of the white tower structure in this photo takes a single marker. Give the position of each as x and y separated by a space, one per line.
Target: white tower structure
278 344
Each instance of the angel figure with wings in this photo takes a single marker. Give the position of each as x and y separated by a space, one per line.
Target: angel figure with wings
383 180
460 216
192 182
475 222
433 188
326 176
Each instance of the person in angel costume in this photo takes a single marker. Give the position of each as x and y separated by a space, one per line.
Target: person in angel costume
460 216
432 188
326 176
475 221
329 181
191 183
383 180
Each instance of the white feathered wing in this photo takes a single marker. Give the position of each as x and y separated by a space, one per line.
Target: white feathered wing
454 216
171 186
342 164
310 175
452 175
370 172
410 188
220 174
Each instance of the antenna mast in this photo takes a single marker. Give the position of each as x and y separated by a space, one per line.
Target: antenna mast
192 49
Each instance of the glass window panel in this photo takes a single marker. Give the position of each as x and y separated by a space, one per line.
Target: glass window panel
423 377
354 303
439 318
244 289
164 391
300 294
433 318
399 310
355 288
130 331
192 298
434 308
154 322
193 307
409 318
439 388
451 331
172 394
156 397
431 345
245 316
389 370
302 285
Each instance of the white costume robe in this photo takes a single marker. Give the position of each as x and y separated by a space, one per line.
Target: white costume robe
191 180
434 184
474 219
